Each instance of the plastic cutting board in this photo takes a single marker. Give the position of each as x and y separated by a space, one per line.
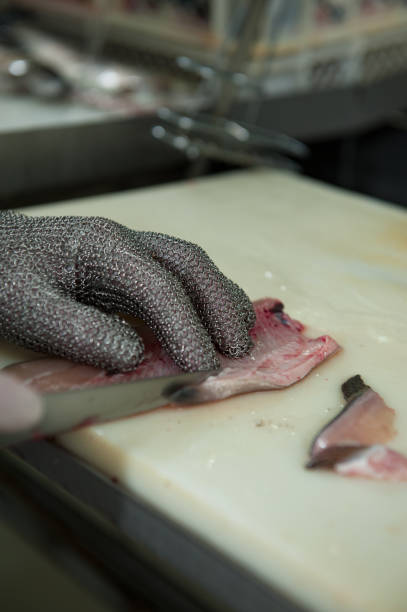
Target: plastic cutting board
233 471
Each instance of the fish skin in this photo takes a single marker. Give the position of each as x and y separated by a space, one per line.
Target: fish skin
352 443
365 420
281 356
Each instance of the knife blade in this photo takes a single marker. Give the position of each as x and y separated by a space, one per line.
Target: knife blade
69 410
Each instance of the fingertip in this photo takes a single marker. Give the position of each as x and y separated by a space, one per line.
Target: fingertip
239 348
209 362
198 359
126 359
244 305
112 344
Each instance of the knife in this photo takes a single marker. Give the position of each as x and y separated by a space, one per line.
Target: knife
69 410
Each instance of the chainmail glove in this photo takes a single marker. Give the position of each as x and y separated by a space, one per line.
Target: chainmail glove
64 279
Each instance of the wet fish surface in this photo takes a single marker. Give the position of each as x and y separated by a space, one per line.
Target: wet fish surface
366 419
377 462
353 442
281 356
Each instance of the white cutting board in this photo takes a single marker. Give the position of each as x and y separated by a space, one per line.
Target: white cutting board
234 471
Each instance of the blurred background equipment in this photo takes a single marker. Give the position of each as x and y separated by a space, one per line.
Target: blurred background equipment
82 81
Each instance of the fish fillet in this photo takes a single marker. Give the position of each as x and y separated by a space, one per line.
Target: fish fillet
281 355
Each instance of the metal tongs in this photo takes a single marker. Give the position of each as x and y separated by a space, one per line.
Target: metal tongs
227 140
216 135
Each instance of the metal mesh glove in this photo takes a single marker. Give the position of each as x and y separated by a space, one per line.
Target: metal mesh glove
60 276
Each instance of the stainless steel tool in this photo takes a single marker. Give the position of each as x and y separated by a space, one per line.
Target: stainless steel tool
68 410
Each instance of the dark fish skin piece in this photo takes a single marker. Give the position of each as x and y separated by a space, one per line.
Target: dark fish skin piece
330 457
353 387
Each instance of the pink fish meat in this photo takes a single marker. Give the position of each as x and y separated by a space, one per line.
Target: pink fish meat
377 462
281 355
352 444
365 420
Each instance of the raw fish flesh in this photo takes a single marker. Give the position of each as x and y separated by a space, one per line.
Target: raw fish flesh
281 355
377 462
352 444
366 419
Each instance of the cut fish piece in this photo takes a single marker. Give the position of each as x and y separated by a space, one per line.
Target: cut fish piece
378 462
365 420
281 355
352 443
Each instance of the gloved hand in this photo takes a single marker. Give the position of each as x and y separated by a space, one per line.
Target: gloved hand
20 407
61 276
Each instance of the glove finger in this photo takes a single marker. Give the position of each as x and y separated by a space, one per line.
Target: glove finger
225 309
244 304
119 279
42 318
